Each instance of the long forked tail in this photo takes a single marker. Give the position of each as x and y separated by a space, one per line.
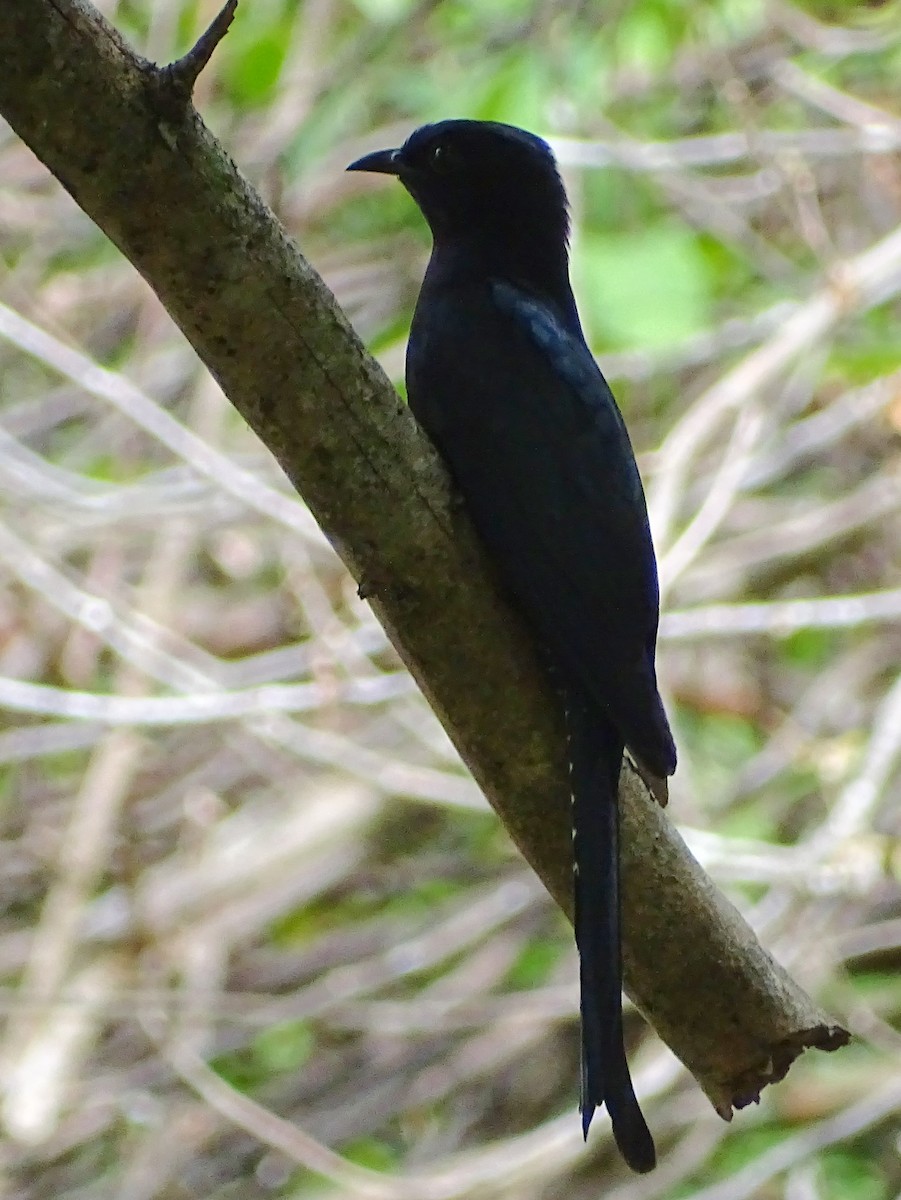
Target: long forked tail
596 751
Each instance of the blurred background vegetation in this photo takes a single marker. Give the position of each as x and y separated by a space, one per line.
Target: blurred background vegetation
260 934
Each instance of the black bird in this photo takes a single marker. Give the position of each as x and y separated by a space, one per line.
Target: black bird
500 377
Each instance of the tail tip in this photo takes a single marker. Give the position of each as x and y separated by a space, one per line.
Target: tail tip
634 1143
637 1148
587 1111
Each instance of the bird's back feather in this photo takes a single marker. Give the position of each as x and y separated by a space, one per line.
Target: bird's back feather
517 406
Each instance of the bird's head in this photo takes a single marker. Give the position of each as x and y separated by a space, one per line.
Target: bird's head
474 178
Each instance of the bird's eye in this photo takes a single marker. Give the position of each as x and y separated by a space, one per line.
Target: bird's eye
441 158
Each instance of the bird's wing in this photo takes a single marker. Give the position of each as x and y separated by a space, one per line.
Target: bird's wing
530 430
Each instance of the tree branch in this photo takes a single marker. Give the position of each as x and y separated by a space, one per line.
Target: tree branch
155 180
178 78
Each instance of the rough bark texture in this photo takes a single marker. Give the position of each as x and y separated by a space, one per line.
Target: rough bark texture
144 167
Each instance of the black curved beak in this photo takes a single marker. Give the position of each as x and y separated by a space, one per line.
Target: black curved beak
383 162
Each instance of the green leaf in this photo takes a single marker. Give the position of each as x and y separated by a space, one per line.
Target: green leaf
284 1047
810 647
644 40
374 1153
648 288
536 962
848 1176
253 73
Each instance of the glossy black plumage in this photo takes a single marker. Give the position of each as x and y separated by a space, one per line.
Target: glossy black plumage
500 376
